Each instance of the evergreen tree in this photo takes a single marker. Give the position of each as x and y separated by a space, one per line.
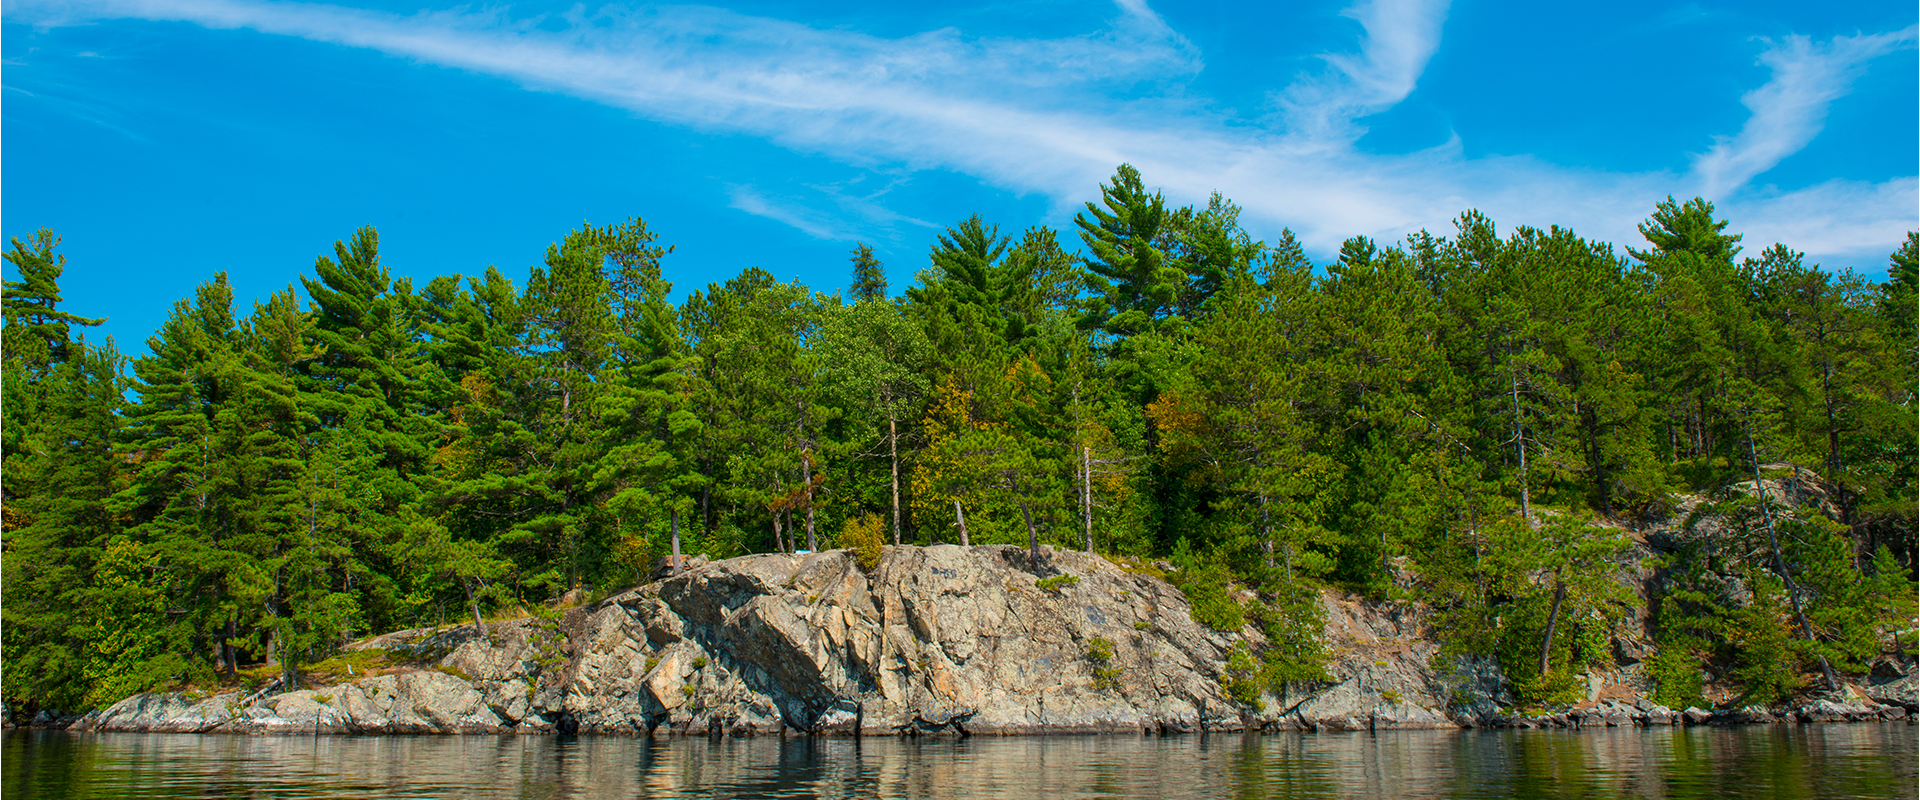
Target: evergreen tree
869 279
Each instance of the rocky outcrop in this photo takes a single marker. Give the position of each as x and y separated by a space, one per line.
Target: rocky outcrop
940 640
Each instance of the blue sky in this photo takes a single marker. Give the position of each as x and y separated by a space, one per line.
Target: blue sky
167 139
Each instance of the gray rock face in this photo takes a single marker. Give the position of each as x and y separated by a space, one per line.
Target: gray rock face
941 640
936 640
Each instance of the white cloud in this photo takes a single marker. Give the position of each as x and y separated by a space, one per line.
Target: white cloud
1792 107
806 219
1401 36
1054 116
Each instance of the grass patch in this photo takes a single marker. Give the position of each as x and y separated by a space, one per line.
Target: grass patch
355 664
1138 566
1057 582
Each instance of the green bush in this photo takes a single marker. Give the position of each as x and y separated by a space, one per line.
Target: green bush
1205 583
1242 679
1100 654
865 535
1057 582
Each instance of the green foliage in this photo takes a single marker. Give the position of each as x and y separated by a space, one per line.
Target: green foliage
1206 583
1100 655
1467 420
1057 583
863 535
1242 677
1764 662
1292 620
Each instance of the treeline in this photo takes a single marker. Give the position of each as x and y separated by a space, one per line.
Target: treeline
1460 419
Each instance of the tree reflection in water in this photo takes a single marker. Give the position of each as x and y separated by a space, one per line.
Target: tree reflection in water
1870 760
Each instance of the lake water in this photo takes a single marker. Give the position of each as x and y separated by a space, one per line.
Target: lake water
1870 760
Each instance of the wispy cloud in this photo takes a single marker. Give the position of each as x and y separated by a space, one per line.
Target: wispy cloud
801 217
1401 36
1792 107
1053 116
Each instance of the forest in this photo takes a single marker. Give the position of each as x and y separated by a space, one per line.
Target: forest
1473 420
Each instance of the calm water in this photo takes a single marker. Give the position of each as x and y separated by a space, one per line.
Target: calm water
1772 761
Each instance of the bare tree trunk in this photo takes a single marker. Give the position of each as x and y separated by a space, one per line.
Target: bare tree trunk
673 517
1520 446
1086 493
1553 618
1033 537
961 520
779 540
1266 530
473 601
893 456
1833 427
806 463
1780 562
1473 529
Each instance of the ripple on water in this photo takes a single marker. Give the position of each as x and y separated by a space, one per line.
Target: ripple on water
1862 760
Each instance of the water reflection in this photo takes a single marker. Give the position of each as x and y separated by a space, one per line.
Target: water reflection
1870 760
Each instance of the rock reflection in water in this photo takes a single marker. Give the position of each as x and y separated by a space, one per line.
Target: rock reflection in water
1873 760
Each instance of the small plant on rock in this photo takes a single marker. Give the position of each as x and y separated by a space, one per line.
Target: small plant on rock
1100 654
1242 677
1057 582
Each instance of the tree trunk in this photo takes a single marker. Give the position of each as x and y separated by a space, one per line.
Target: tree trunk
673 520
1833 427
1473 530
961 520
1520 447
1597 462
806 464
893 456
473 601
706 496
1033 537
806 471
1266 530
1086 493
779 542
1553 619
228 652
1780 562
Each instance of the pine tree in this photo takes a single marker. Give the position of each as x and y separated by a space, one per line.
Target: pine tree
1134 287
869 279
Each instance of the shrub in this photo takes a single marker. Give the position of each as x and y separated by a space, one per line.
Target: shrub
865 536
1242 678
1205 585
1057 582
1100 655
